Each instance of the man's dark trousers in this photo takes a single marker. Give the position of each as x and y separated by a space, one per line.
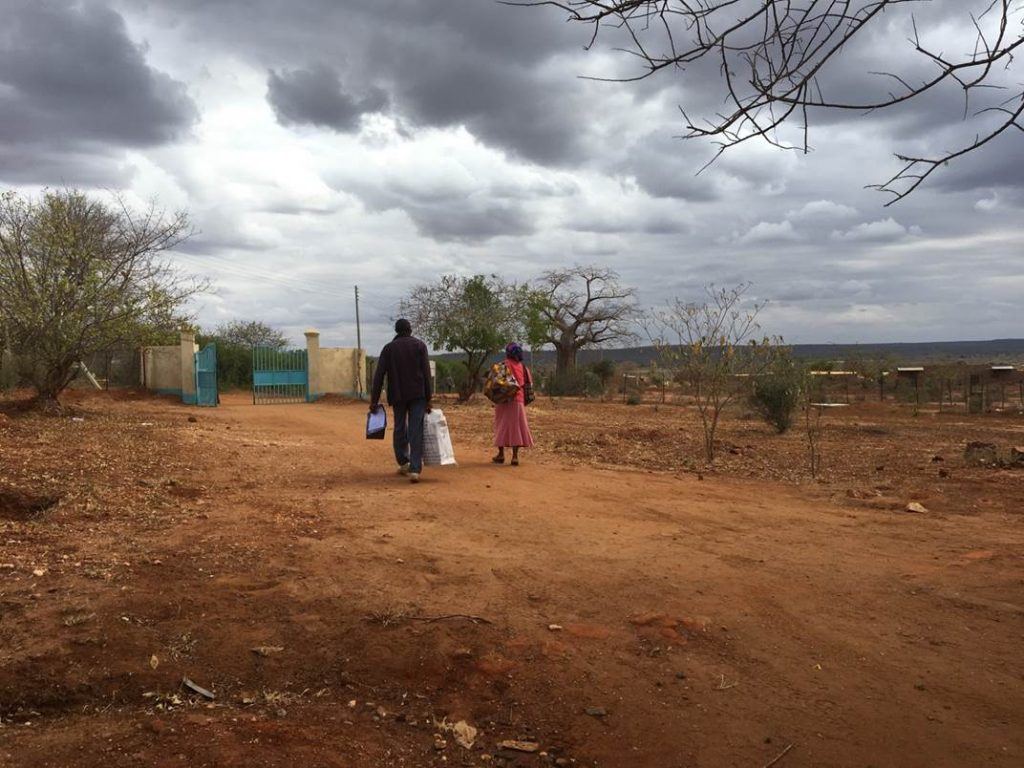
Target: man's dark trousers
409 433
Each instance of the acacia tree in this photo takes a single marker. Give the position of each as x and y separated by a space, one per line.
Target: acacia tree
79 276
475 315
250 333
582 306
709 344
777 64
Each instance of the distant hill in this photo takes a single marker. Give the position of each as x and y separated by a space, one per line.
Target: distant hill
992 351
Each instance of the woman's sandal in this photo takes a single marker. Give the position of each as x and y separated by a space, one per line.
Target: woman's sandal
514 462
498 460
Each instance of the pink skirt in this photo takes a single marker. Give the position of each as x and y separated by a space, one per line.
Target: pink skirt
511 430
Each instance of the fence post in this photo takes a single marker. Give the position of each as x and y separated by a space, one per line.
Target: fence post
188 367
313 363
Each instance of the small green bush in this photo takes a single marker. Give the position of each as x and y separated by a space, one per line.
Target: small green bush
776 395
605 371
575 384
451 374
633 399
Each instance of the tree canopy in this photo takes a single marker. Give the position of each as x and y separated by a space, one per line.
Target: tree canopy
79 275
250 333
476 316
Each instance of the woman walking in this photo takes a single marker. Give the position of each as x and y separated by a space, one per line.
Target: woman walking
511 429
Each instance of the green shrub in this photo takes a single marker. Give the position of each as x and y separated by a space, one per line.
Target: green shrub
776 395
575 384
633 399
451 374
234 363
234 366
604 370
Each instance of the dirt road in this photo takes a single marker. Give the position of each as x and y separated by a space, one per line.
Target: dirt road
615 618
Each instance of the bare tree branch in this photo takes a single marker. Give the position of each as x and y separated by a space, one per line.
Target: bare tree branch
774 57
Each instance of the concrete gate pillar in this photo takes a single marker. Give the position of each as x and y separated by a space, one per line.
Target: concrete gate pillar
313 363
188 367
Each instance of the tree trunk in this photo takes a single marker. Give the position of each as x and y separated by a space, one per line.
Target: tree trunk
46 402
467 389
566 358
709 436
472 381
49 383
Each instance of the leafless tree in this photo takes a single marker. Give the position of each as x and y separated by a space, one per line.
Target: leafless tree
580 307
708 345
813 398
775 58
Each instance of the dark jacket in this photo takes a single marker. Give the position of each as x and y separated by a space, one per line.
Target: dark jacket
404 361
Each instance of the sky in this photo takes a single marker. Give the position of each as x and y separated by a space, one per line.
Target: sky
323 144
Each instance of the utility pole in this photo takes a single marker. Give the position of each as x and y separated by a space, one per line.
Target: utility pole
359 350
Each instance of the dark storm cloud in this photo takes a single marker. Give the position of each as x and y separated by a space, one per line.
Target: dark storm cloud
489 67
74 86
1001 164
450 218
513 110
623 222
475 224
20 164
496 70
315 96
664 166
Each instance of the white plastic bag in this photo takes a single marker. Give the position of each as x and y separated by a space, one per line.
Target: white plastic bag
437 443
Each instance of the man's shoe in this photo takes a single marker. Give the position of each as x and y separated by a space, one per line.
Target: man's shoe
414 477
403 469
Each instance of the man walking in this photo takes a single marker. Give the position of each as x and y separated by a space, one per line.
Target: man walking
404 362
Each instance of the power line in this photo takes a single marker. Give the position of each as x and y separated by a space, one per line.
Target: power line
253 273
277 279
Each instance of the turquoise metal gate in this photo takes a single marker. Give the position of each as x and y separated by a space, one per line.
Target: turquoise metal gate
279 376
206 376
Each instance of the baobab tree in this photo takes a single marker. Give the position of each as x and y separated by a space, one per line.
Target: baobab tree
579 307
782 62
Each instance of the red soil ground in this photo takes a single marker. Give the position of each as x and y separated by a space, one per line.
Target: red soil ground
704 622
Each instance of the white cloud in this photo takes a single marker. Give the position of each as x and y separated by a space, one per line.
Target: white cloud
882 230
820 210
987 203
769 232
